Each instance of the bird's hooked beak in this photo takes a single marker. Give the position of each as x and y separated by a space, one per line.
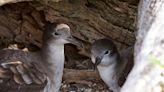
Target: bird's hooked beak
74 41
97 61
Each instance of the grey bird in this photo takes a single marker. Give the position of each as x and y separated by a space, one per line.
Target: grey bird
38 71
106 58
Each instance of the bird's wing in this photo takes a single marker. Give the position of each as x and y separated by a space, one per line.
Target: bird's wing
20 73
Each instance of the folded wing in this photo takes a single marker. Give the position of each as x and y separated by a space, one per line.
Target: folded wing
21 72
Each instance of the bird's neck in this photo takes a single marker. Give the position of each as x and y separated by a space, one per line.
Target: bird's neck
107 72
109 76
53 58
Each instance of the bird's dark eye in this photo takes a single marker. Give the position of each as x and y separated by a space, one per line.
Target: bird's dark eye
106 52
56 33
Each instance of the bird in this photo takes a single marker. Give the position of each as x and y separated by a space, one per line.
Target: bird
107 59
39 71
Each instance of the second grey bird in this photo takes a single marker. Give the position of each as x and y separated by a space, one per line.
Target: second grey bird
106 58
36 72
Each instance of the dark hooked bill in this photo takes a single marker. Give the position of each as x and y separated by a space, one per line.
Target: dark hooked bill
74 41
97 62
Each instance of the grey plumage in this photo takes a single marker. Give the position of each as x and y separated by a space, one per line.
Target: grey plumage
36 72
106 57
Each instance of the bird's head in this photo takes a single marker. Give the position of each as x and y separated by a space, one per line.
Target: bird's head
59 34
104 52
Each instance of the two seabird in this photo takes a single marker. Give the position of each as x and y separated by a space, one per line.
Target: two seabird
42 71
